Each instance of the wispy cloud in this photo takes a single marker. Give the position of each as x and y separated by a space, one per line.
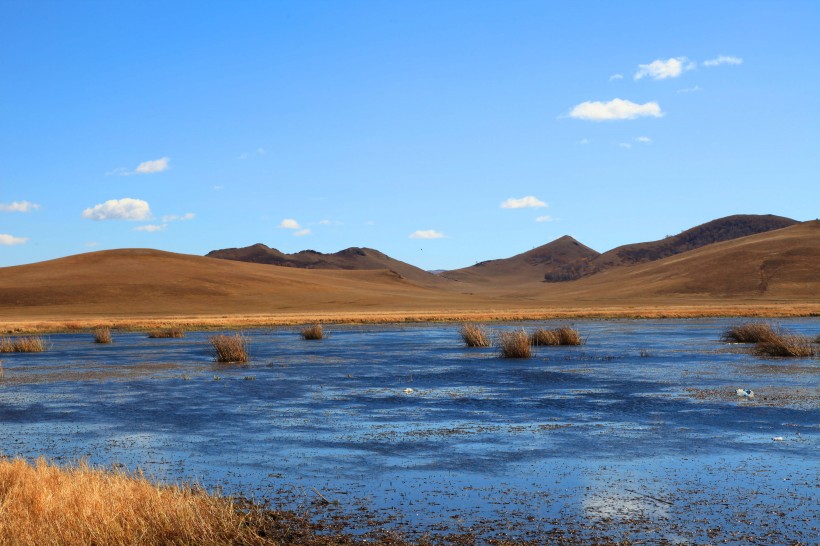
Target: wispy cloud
119 209
545 218
427 234
616 77
92 244
9 240
625 145
258 151
644 140
616 109
723 59
302 232
694 89
150 228
522 203
289 223
584 141
661 70
19 206
178 218
146 167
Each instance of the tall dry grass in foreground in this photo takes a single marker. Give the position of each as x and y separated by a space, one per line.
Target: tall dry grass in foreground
167 333
748 332
515 344
785 345
564 335
44 504
312 332
475 335
102 335
28 344
227 348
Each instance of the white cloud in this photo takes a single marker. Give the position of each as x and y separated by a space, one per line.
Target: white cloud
325 222
150 228
544 218
427 234
616 109
694 89
626 145
302 232
584 141
644 139
178 218
153 166
8 240
614 77
522 203
723 59
119 209
660 70
19 206
92 244
289 223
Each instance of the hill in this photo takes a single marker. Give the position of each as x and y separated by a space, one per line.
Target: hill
353 258
560 255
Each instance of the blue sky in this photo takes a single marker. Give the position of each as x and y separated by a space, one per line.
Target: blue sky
441 133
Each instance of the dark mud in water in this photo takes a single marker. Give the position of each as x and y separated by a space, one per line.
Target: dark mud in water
637 435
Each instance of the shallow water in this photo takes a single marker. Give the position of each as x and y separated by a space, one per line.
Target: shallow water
638 434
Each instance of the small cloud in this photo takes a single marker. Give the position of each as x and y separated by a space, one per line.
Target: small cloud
176 218
92 244
616 109
370 223
661 70
626 145
427 234
644 140
18 206
584 141
723 59
119 209
545 218
694 89
289 223
522 203
325 222
261 151
151 228
219 188
616 77
153 166
9 240
302 233
246 155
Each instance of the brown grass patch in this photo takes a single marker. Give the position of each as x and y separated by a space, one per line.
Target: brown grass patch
28 344
515 344
102 335
44 504
749 332
788 345
227 348
564 335
475 335
167 333
312 332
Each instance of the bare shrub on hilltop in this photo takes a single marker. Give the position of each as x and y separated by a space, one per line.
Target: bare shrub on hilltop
475 335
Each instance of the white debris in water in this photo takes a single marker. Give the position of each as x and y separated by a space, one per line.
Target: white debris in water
777 438
748 393
408 390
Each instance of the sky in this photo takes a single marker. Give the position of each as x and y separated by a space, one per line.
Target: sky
440 133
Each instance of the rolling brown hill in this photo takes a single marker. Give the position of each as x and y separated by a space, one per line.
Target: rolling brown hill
716 231
559 255
353 258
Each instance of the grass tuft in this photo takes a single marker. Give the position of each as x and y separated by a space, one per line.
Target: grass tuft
475 335
167 333
227 348
28 344
748 332
564 335
102 335
788 345
312 332
515 344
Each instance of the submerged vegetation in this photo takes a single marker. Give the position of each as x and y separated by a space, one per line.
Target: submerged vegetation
564 335
748 332
229 348
785 345
27 344
475 335
167 333
312 332
102 335
514 344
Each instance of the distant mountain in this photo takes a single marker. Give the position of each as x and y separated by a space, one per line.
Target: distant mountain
561 255
716 231
353 258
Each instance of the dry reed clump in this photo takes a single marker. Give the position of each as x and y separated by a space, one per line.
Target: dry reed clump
43 504
312 332
167 333
475 335
227 348
564 335
785 345
515 344
749 332
102 335
28 344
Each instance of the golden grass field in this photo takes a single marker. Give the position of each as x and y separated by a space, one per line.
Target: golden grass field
773 274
